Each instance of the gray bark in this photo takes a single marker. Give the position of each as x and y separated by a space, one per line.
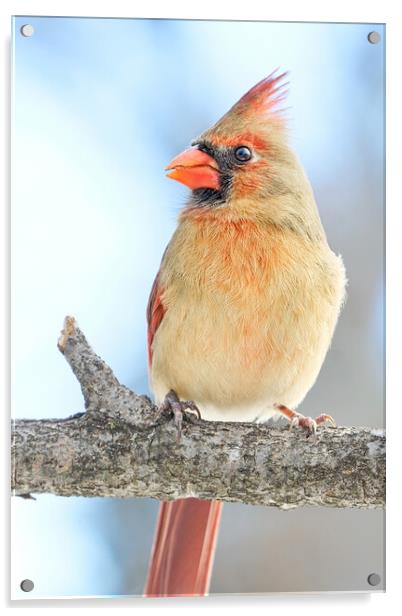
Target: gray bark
121 446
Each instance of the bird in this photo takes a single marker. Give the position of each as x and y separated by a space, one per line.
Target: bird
243 308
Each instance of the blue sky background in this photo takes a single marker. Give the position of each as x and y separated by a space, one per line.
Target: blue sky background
99 107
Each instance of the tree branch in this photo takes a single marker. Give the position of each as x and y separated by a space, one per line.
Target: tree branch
121 446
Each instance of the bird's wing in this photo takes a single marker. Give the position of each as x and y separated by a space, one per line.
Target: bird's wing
155 313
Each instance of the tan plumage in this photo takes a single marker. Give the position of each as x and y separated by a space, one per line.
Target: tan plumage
250 322
251 289
245 304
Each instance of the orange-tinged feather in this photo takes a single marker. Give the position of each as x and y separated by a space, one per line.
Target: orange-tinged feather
241 296
155 313
265 94
247 138
258 107
183 550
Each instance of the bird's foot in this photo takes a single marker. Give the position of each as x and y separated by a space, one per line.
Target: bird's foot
307 423
173 406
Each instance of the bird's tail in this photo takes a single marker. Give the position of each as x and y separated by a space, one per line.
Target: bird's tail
183 550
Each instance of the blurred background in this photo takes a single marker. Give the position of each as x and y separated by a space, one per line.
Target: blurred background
99 108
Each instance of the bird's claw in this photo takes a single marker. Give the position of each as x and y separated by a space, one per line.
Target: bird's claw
173 406
306 423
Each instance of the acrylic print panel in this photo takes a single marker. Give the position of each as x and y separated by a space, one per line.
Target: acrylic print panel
100 107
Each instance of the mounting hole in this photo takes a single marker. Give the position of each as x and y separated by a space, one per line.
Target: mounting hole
374 579
27 585
27 30
374 37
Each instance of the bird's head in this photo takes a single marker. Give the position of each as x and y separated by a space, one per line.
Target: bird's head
244 162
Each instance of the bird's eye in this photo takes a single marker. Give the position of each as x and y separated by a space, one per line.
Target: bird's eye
242 154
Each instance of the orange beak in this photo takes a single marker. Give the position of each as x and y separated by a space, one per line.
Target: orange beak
195 169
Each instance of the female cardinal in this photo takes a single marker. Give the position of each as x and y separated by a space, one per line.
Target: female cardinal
243 308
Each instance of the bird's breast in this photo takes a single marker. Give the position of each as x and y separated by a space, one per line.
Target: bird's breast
249 316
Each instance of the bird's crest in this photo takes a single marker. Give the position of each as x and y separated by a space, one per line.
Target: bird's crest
260 103
265 96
